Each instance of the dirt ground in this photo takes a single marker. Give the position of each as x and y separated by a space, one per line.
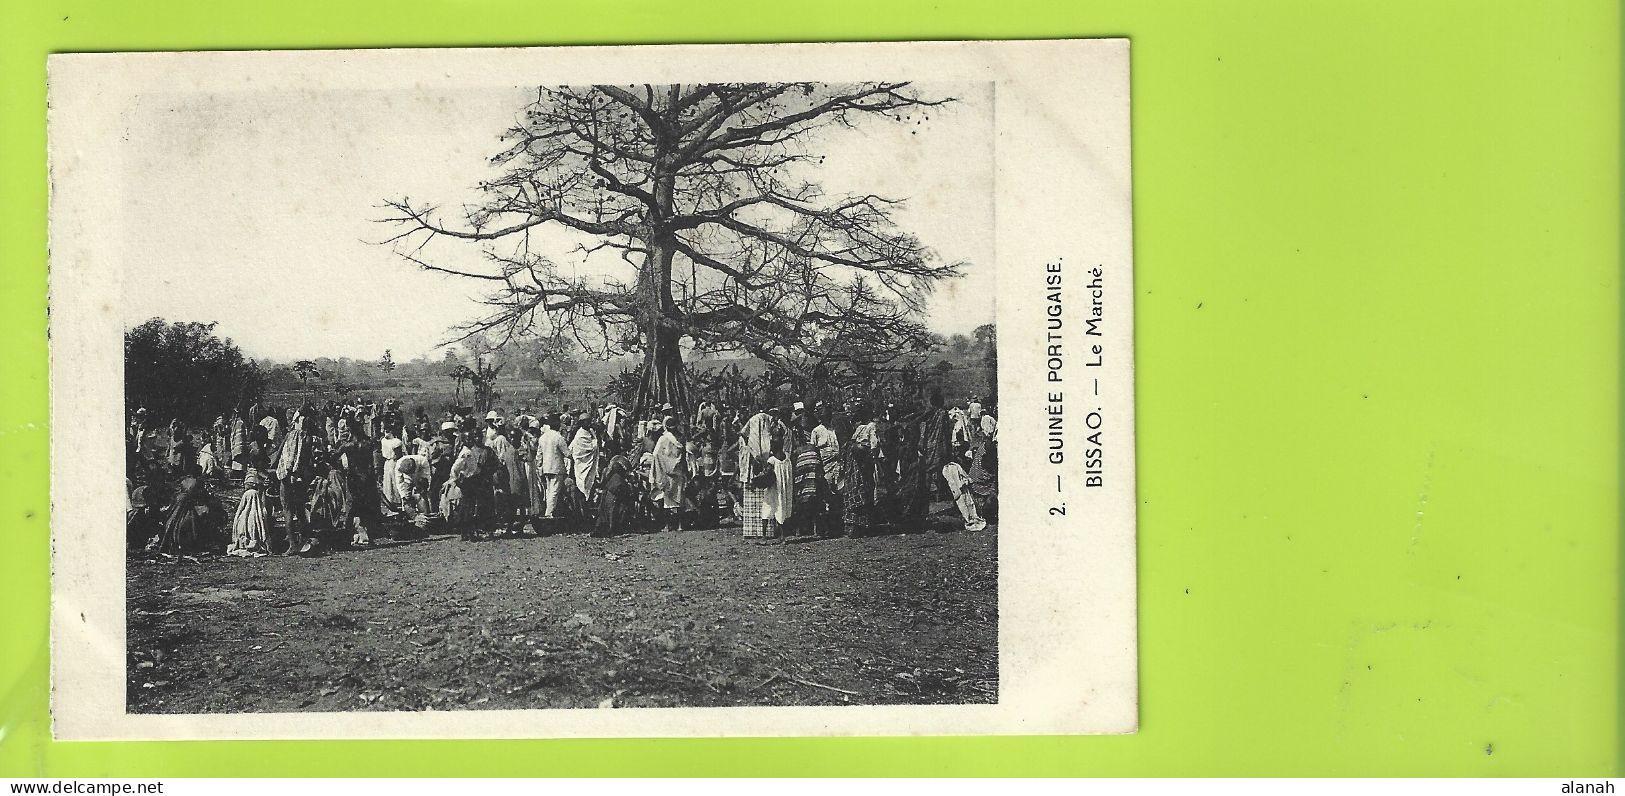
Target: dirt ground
663 619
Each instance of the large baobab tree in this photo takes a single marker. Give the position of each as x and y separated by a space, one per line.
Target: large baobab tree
709 196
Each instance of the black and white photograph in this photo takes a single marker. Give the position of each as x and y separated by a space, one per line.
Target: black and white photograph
719 427
468 395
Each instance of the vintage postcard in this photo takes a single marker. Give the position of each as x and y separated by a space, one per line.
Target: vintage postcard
738 390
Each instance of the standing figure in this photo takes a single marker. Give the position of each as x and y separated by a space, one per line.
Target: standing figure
755 468
809 480
984 470
237 444
888 448
140 428
668 475
182 455
728 474
442 451
536 485
472 475
936 445
391 447
914 478
220 440
780 498
613 420
586 455
360 457
827 442
296 465
510 497
857 487
554 458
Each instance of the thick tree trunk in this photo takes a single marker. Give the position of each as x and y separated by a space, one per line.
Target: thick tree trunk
663 380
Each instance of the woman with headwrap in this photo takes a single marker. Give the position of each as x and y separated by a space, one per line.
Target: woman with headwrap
525 441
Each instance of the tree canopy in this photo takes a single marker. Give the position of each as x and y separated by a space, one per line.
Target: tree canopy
728 243
184 370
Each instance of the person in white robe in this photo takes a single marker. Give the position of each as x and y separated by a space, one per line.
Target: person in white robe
780 500
393 448
586 454
668 474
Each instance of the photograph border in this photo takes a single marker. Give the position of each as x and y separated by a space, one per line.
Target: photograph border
1066 644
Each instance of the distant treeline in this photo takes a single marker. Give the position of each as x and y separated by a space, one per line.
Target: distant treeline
184 370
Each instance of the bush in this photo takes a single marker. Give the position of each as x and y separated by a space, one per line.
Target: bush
184 370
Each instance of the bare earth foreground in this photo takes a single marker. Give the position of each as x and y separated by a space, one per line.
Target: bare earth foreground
665 619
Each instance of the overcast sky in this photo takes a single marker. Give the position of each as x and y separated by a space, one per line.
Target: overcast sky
254 209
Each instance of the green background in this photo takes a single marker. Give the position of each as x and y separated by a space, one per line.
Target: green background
1378 352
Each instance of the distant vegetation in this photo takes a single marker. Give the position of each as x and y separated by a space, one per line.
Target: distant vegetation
184 370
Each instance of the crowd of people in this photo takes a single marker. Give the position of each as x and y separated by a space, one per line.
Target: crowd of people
339 474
